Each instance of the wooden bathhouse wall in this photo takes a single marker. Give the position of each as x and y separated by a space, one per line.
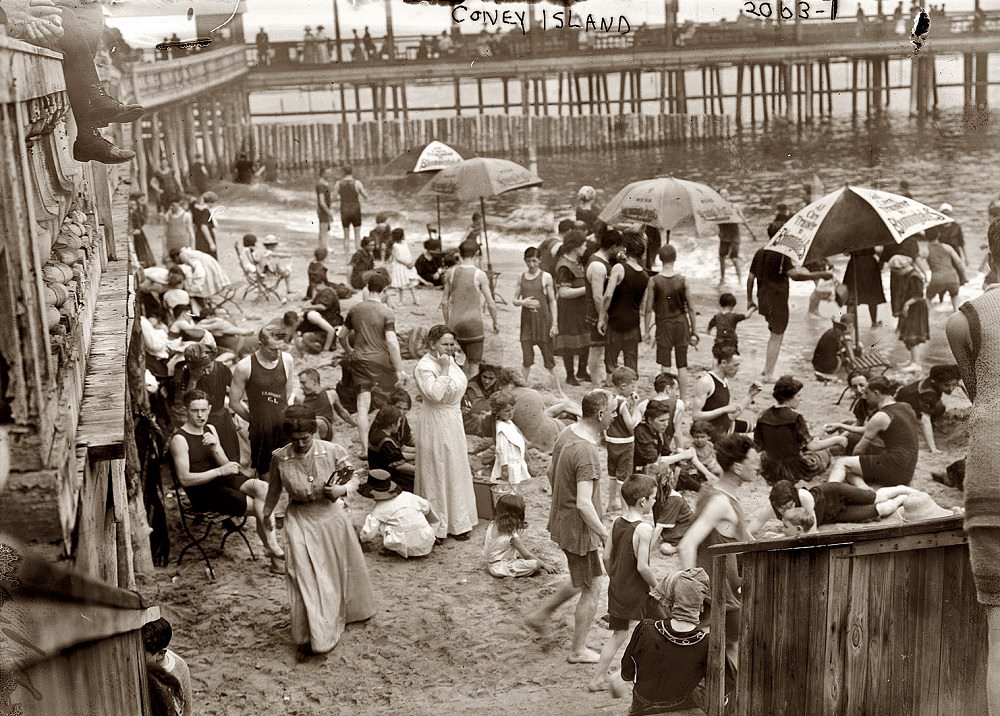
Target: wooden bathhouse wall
862 627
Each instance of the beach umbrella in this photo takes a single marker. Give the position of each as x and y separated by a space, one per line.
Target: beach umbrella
849 219
666 202
479 178
431 157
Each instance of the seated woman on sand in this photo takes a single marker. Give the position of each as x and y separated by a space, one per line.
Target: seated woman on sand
857 381
789 452
476 401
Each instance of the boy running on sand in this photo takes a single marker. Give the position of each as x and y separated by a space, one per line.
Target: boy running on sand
626 559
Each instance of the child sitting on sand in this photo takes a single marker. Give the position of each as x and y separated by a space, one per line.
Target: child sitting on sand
503 550
404 436
402 519
692 476
671 514
384 450
510 466
317 273
362 261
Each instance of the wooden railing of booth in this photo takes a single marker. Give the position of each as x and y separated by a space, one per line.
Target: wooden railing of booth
868 621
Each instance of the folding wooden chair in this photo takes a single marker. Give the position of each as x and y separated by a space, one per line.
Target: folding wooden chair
225 296
192 519
255 281
861 359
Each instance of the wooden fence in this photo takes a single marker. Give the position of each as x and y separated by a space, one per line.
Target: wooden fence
871 621
309 146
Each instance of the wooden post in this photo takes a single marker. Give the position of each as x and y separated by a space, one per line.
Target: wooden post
190 142
663 91
406 107
506 97
479 94
982 80
357 101
786 72
753 96
829 89
876 85
854 87
704 89
524 96
576 87
458 99
798 91
139 147
739 94
763 89
933 78
681 85
155 148
607 95
559 96
621 94
968 80
545 95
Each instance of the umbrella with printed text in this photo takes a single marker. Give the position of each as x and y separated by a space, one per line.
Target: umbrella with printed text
666 203
425 158
849 219
479 178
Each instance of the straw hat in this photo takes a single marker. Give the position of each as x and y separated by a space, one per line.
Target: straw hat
270 240
379 486
586 193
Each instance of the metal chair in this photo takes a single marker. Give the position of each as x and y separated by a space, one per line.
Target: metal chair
255 281
192 519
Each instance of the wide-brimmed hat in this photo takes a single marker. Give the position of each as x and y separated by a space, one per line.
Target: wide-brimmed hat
586 193
379 486
270 240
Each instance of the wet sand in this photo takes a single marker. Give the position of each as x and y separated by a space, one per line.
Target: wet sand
447 636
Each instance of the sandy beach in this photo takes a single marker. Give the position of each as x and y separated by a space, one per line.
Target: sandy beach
447 636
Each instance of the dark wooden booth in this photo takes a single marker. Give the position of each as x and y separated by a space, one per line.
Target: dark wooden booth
870 621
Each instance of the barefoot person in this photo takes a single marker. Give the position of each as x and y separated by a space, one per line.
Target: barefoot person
896 424
212 481
719 520
575 521
372 345
770 271
598 270
464 285
974 336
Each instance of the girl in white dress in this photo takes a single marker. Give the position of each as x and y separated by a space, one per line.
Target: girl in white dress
503 550
402 271
510 465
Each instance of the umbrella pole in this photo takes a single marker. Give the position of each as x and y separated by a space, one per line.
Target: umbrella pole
857 329
439 216
486 239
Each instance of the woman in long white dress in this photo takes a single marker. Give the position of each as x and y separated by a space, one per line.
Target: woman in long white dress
325 570
443 475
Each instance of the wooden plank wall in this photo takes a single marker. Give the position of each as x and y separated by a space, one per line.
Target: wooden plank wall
309 146
831 631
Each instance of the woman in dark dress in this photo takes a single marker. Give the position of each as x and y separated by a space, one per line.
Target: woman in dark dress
137 216
789 452
200 370
864 282
204 226
573 338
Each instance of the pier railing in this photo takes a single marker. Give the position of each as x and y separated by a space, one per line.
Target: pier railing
160 83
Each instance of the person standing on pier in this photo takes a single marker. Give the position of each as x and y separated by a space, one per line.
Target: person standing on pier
324 214
263 49
351 192
974 335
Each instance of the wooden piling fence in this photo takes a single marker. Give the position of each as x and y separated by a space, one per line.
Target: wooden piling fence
308 146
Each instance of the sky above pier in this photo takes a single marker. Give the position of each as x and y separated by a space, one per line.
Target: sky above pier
285 19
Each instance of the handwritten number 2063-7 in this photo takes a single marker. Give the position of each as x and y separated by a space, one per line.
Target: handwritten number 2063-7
765 10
